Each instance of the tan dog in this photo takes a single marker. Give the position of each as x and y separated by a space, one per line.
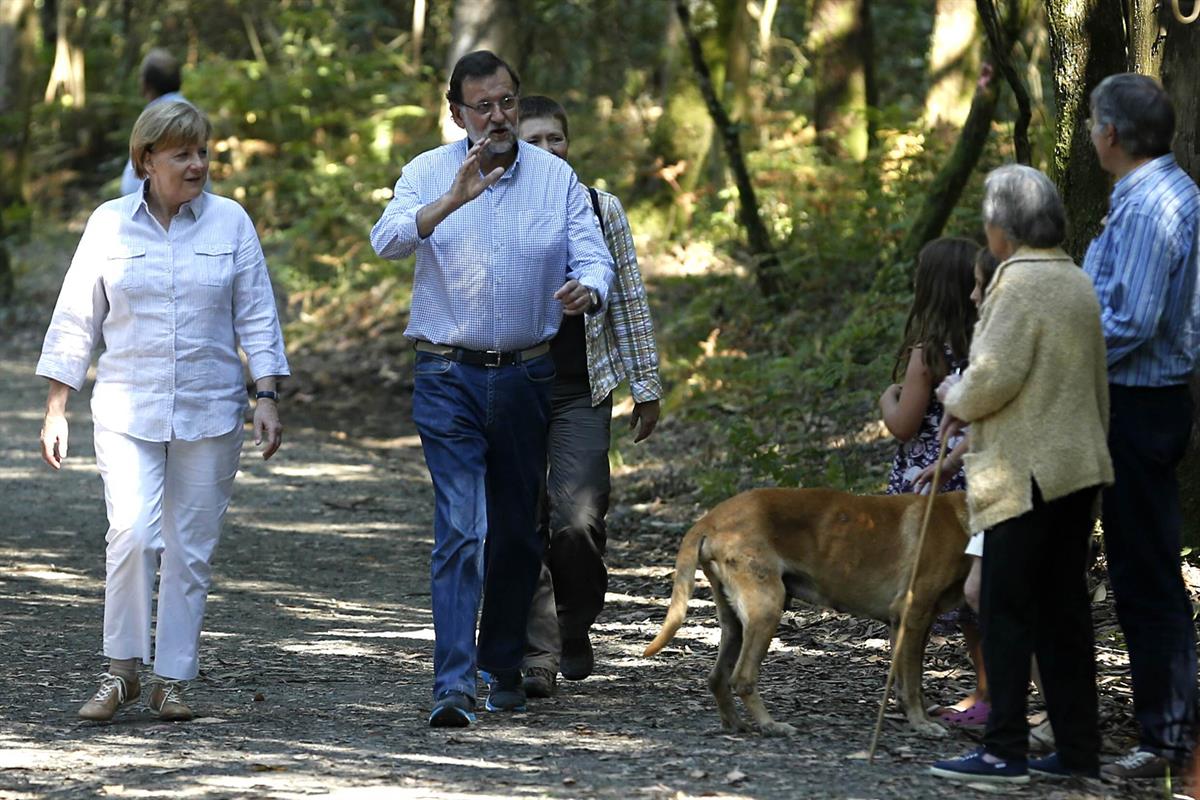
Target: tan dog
852 553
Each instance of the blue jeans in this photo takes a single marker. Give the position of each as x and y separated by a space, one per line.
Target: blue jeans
483 431
1142 533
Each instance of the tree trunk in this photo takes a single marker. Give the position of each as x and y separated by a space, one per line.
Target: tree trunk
766 262
1180 77
1086 44
480 25
947 186
738 25
17 24
1000 41
67 74
839 51
953 63
1146 35
418 32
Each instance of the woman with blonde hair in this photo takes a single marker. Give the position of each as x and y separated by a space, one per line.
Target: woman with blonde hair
173 279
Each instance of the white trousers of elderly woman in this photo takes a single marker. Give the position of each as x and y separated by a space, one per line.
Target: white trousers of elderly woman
165 504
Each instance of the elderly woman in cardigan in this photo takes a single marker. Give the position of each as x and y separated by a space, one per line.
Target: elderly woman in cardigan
1036 398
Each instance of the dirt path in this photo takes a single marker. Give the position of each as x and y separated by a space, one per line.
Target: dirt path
316 656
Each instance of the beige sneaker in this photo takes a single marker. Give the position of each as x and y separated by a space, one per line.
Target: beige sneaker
166 700
113 693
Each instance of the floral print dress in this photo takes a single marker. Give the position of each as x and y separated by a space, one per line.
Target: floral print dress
920 451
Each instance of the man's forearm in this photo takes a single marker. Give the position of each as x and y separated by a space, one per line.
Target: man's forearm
430 216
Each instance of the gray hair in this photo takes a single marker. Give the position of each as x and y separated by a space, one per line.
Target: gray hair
1022 202
1139 110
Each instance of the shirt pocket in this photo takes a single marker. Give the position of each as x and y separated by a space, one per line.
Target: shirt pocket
214 263
127 266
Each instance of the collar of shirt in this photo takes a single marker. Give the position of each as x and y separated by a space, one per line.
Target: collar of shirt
1139 176
138 202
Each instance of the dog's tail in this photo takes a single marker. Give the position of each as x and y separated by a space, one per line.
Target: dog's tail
685 582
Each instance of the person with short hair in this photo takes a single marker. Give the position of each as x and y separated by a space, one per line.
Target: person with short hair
592 354
160 81
506 244
1144 267
174 281
1036 397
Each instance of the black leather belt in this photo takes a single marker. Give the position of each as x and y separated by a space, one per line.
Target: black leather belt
484 358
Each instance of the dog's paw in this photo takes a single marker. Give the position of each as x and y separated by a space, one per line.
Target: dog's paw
927 727
777 729
736 726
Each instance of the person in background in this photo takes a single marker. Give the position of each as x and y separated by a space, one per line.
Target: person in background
159 81
937 337
506 244
1144 267
174 281
592 354
1036 397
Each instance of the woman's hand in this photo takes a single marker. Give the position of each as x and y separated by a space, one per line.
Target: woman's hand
950 467
267 427
54 439
54 426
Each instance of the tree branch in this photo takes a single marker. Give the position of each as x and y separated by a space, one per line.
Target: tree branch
1001 47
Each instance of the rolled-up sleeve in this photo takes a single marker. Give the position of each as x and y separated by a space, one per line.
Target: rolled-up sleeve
395 234
588 259
255 317
78 318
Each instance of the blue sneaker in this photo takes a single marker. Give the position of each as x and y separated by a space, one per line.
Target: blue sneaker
973 767
505 692
452 710
1052 767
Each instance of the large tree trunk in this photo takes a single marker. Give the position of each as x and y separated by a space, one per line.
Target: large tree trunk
839 51
953 63
1181 77
1086 44
67 74
480 25
17 24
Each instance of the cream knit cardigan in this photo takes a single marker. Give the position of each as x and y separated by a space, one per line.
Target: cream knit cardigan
1036 390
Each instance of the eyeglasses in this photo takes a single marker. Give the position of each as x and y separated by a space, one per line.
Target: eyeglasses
486 107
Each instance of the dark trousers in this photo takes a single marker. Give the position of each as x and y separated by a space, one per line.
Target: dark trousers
483 432
570 593
1142 529
1034 601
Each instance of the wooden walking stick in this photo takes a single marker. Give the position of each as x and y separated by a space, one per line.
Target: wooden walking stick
912 579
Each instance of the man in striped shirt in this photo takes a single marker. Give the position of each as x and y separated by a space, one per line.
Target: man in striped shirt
1144 267
506 243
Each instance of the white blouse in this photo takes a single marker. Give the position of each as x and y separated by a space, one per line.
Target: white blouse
172 308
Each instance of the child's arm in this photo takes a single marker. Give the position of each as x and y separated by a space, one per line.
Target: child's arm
904 405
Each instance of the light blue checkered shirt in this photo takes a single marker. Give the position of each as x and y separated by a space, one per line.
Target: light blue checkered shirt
1144 266
485 278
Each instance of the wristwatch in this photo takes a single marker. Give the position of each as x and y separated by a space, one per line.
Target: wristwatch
594 296
267 396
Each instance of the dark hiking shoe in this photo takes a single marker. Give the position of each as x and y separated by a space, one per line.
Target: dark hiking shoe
1052 767
452 710
576 661
978 766
505 692
539 682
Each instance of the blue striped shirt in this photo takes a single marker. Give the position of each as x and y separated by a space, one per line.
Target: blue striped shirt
1143 265
485 278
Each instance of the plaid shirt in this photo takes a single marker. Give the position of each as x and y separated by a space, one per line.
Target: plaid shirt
620 342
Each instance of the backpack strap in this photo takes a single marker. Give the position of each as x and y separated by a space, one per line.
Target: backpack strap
596 207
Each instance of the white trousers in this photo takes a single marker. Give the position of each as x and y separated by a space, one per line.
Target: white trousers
165 503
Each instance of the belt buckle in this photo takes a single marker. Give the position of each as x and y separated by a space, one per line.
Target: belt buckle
492 358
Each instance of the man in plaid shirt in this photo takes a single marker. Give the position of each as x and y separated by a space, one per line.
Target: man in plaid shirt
592 355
